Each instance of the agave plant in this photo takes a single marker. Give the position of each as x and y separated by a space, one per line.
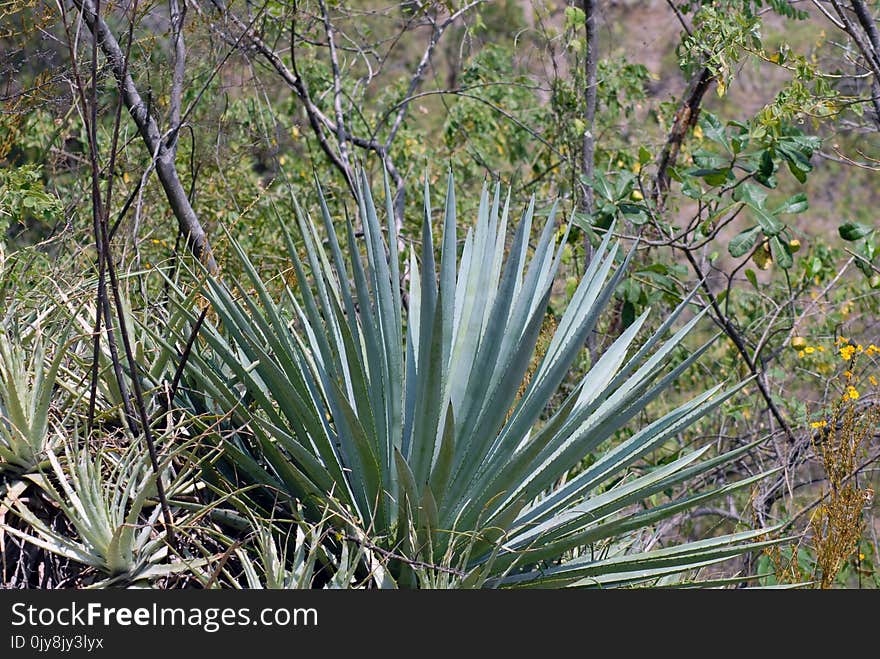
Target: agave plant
27 379
154 360
108 497
299 559
418 414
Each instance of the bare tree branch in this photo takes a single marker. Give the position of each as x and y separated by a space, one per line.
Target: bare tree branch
591 67
422 66
177 197
325 128
868 42
178 15
870 27
341 135
685 117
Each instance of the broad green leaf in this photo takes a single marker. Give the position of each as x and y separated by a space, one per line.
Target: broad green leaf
743 242
852 231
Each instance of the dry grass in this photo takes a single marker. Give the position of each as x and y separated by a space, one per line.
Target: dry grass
838 522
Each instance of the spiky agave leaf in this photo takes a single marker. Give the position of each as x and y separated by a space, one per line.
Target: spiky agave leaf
414 416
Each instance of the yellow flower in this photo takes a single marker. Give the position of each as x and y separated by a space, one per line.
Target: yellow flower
847 352
872 380
852 393
847 374
820 348
801 354
809 350
819 424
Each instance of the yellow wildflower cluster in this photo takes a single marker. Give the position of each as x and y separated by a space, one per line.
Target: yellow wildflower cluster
854 378
845 348
809 350
848 350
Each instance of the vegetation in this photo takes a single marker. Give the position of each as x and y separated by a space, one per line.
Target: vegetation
252 336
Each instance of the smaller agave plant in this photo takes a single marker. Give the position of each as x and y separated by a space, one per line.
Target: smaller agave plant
108 497
299 559
415 415
27 381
